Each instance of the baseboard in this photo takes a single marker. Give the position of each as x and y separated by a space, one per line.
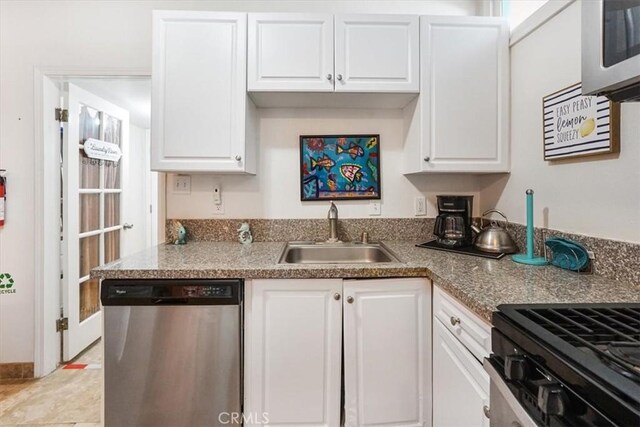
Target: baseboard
16 371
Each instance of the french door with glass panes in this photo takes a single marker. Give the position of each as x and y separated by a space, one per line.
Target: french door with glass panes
92 211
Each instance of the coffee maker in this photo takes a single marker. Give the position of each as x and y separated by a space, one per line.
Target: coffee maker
453 223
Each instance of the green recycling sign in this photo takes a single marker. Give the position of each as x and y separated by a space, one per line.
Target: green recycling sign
6 284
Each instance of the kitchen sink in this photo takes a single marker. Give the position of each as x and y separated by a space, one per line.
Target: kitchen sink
336 253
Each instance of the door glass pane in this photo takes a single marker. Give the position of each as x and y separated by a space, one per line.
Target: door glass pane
111 174
89 123
89 212
89 254
112 129
111 246
89 171
111 210
89 301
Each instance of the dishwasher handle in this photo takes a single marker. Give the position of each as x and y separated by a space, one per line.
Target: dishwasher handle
171 301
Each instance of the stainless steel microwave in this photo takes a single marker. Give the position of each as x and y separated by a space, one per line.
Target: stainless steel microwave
611 49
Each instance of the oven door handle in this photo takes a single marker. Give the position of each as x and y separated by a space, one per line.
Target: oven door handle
524 419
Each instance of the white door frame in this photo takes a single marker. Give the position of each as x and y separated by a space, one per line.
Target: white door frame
47 283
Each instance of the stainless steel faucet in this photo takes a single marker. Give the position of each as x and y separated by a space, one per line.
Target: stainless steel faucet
333 223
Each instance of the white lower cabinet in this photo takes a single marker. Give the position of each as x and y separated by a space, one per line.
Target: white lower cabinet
460 384
387 369
293 352
294 334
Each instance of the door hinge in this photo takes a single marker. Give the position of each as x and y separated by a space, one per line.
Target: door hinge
62 324
62 115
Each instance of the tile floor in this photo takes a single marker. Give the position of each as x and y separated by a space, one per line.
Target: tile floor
66 397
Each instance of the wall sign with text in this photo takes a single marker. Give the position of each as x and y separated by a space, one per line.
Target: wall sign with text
576 125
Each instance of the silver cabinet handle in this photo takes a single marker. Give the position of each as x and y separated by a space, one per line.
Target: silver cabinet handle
487 412
127 226
329 76
426 159
454 321
350 300
238 157
336 296
339 77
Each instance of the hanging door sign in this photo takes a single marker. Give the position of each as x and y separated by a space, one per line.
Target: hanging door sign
97 149
576 125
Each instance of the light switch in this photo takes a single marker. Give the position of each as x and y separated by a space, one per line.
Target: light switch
375 208
420 206
182 184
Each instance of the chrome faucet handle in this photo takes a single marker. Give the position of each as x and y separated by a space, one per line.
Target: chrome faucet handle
333 211
365 237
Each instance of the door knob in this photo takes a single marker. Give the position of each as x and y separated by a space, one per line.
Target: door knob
336 296
339 77
426 159
350 300
329 76
454 321
127 226
238 158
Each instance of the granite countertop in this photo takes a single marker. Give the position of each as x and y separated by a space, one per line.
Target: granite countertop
480 284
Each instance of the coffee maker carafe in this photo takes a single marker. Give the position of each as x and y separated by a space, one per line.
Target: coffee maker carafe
453 223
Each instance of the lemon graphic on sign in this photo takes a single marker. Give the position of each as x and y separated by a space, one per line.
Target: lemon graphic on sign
587 127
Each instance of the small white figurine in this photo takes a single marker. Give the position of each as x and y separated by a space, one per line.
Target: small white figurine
244 234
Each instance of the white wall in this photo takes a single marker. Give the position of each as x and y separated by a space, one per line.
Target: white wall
598 197
275 190
91 35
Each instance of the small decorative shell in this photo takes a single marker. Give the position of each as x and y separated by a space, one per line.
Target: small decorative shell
244 234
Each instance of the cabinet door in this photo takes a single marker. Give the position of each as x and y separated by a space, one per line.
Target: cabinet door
460 384
290 52
465 94
293 357
387 337
199 97
377 53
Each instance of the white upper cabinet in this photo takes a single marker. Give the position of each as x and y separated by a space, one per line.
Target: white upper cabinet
461 121
377 53
202 120
290 52
387 348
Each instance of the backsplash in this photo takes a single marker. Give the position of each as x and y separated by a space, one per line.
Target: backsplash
613 259
281 230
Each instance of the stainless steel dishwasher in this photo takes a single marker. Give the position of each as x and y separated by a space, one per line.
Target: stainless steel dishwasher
172 352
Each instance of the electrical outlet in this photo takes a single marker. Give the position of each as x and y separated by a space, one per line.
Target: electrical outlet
218 209
420 205
375 208
182 184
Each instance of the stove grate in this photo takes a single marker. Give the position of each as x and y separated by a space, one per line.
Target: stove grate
592 328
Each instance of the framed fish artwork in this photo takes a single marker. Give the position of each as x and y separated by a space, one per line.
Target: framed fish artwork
339 167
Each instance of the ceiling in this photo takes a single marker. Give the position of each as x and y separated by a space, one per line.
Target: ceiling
132 94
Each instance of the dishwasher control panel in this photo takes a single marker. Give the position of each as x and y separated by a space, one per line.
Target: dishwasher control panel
171 292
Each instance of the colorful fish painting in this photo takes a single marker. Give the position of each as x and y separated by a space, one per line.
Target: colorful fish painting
351 172
334 167
354 150
325 162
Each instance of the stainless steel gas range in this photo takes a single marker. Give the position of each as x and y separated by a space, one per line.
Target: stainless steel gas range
565 365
